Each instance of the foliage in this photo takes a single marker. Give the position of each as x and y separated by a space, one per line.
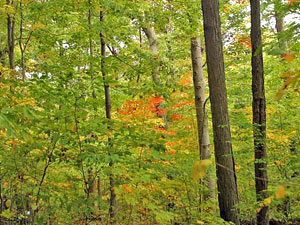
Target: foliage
55 140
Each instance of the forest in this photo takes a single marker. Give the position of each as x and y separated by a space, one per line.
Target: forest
144 112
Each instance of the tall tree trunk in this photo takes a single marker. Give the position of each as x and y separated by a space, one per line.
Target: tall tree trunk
202 121
11 38
113 202
92 184
259 113
227 186
2 57
279 18
20 42
153 45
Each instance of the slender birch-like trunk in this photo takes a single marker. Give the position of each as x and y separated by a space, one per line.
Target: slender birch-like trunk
202 121
153 45
279 18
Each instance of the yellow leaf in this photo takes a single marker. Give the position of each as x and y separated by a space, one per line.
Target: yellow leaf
81 138
268 201
126 188
280 193
258 210
200 168
8 203
237 167
7 214
200 222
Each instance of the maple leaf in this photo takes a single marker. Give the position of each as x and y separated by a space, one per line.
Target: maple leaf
176 116
160 111
126 188
245 41
280 193
157 100
121 112
289 57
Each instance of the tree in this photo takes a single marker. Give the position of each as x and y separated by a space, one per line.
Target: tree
200 102
11 36
80 115
225 168
279 19
259 113
113 200
153 45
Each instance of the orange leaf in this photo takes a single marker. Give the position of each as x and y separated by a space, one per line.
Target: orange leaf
157 100
160 111
288 74
290 2
279 94
280 193
289 57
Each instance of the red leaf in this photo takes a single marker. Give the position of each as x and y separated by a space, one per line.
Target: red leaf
176 116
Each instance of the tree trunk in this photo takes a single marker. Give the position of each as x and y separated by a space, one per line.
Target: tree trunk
20 42
113 201
227 186
153 44
279 25
259 114
92 177
11 38
202 121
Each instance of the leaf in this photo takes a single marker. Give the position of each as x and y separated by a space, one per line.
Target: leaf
7 214
200 169
292 78
280 192
34 206
288 74
279 95
289 57
268 201
277 51
8 203
258 50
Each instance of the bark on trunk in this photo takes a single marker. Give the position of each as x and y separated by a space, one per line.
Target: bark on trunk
227 186
202 121
259 114
279 18
20 42
153 44
92 176
113 201
11 38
